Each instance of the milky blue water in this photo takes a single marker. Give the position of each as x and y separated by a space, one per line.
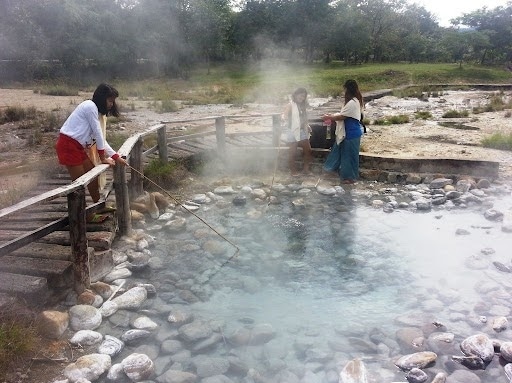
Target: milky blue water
336 270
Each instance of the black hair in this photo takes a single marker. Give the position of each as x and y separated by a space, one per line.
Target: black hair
297 92
352 90
102 92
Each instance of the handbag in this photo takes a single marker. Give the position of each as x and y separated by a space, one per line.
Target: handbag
333 160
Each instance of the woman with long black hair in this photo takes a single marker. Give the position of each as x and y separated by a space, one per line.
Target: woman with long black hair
82 130
344 156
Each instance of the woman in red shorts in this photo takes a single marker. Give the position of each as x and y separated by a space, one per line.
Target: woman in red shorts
80 131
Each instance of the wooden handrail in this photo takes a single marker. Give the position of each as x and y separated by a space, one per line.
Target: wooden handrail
132 150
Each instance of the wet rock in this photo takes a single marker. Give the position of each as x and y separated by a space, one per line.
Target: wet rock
176 376
407 339
439 378
472 362
111 346
195 331
500 324
200 199
138 367
354 372
108 309
134 336
478 345
179 316
177 225
483 184
222 190
132 299
463 376
118 273
441 342
102 289
415 375
86 338
143 323
506 351
209 366
84 317
89 367
171 346
493 215
440 183
116 373
421 359
239 200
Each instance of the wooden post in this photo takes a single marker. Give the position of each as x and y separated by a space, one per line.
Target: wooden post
136 180
276 130
78 239
162 145
124 218
220 134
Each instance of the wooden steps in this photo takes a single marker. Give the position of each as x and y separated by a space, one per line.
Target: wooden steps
29 287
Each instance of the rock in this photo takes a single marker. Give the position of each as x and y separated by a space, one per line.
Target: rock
84 317
421 359
138 367
89 367
86 338
111 346
478 345
132 299
52 324
354 372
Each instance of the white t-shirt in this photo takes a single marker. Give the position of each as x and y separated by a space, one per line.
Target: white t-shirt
83 125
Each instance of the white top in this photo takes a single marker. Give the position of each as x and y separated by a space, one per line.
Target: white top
84 126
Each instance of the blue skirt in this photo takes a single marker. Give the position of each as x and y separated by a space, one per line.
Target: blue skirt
344 159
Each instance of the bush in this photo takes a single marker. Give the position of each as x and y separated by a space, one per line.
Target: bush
392 120
423 114
165 175
455 114
498 141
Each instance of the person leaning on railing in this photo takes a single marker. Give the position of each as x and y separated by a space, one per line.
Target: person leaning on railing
82 130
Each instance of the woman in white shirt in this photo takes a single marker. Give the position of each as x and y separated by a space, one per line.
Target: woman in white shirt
298 132
82 130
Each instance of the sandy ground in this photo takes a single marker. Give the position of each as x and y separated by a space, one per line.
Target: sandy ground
418 138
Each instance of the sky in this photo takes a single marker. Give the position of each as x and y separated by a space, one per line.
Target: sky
445 10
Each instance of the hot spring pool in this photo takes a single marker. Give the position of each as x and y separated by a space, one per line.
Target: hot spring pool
320 280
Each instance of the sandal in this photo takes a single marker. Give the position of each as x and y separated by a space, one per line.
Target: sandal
97 218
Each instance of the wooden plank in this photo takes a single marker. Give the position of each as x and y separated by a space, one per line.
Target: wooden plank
13 240
61 191
99 240
44 250
38 267
24 285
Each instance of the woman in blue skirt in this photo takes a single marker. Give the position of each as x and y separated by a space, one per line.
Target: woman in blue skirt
344 156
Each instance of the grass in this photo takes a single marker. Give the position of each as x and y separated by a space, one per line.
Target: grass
422 114
392 120
167 175
455 113
18 337
274 81
500 141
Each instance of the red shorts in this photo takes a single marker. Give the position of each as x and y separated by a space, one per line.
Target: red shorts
69 151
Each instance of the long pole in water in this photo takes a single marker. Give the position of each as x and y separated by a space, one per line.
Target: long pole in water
192 213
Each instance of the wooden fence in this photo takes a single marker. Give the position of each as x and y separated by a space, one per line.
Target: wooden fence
132 150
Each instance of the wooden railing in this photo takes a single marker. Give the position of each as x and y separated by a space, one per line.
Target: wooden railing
132 150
